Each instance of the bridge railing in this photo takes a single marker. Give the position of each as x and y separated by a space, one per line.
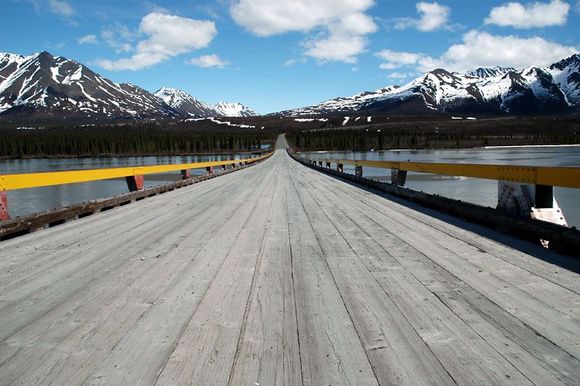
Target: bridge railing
528 190
134 176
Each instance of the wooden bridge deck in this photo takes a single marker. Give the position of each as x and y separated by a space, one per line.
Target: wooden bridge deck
280 275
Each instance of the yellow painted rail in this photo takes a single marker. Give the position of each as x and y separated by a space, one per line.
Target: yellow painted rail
568 177
37 180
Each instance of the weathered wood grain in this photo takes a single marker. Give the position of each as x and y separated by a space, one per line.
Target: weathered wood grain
280 275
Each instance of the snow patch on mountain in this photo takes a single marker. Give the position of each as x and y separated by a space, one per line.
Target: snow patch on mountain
229 109
491 90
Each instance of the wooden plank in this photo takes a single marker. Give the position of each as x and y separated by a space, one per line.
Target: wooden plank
111 306
395 350
519 344
217 323
268 352
148 345
465 356
330 349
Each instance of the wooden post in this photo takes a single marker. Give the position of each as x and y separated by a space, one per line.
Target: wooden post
4 216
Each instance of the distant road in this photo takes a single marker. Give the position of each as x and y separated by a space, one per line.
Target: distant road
277 274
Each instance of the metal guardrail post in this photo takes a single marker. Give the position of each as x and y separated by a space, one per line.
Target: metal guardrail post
135 183
398 177
544 196
4 216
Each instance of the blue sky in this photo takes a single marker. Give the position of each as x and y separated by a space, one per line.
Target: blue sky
278 54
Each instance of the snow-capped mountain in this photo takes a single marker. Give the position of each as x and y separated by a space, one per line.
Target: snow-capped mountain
228 109
45 86
484 90
42 86
184 103
187 105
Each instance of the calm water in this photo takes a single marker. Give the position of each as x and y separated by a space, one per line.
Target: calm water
28 201
478 191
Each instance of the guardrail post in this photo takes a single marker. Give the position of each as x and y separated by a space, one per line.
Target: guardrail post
209 170
358 171
328 165
135 183
340 168
320 163
185 174
398 177
544 196
223 168
4 216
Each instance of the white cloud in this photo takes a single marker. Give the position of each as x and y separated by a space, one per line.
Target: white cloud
267 17
535 15
119 37
168 36
401 75
208 61
339 26
87 39
481 49
395 59
335 47
432 16
61 7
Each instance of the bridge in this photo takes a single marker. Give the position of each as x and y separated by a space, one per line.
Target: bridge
280 274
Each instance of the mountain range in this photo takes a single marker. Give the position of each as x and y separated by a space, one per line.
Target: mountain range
496 90
43 86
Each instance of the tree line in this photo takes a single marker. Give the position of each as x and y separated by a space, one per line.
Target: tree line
115 141
364 140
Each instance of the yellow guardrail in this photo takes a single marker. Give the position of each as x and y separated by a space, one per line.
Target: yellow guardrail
37 180
568 177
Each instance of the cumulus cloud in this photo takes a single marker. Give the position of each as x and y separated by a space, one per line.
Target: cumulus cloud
87 39
337 27
481 49
119 37
167 36
534 15
208 61
432 16
61 7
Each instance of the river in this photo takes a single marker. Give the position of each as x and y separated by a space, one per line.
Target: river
477 191
29 201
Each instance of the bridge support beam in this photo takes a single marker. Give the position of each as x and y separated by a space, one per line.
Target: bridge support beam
358 171
135 183
185 174
398 177
340 168
4 216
